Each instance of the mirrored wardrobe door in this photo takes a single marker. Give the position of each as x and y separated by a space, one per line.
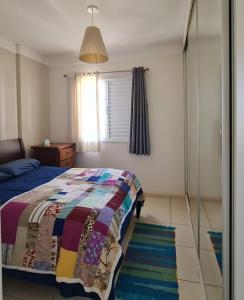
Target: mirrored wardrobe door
204 138
209 14
192 121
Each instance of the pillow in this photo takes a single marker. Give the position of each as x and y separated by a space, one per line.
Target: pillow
19 166
4 176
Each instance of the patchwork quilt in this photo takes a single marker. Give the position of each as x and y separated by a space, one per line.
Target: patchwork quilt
70 227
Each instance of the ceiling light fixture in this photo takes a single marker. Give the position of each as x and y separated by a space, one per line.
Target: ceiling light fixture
93 50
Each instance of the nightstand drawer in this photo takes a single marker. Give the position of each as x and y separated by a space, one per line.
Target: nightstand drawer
47 157
66 153
68 163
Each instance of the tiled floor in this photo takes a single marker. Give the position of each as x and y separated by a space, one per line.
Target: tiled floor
189 278
163 211
213 211
210 220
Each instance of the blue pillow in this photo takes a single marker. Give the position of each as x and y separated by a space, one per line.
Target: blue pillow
4 176
19 166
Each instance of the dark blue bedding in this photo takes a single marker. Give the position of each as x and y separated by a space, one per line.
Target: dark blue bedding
28 181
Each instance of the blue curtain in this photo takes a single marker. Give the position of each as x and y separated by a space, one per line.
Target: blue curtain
139 124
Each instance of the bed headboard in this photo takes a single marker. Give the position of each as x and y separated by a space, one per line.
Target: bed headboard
11 150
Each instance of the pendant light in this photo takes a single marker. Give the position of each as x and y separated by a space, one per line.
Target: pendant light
93 50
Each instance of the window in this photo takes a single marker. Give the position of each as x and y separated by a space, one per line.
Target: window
115 105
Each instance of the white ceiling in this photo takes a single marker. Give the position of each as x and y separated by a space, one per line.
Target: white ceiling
52 27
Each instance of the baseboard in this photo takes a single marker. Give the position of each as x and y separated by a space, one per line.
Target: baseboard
161 195
206 199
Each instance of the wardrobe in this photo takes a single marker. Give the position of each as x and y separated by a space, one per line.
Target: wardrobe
206 159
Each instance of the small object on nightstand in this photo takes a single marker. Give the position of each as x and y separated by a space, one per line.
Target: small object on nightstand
46 142
56 154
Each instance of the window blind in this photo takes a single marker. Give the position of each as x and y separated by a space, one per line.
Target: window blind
118 107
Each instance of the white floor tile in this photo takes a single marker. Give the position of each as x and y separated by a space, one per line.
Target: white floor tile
204 222
203 218
28 290
210 269
180 216
178 203
215 220
191 290
213 292
212 206
184 236
157 202
195 232
194 217
194 205
187 264
205 241
155 215
148 221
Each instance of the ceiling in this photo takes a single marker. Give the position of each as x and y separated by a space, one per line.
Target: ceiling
56 27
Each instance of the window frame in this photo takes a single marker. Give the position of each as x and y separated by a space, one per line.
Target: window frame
106 78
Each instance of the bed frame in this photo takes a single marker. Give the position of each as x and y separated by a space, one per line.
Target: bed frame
11 150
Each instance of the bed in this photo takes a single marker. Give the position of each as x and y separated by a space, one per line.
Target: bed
64 227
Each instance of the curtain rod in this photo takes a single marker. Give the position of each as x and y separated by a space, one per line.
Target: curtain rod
120 71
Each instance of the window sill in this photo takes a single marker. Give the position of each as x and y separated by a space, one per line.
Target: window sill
114 141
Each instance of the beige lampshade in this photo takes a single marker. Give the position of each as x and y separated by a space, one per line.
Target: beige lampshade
93 50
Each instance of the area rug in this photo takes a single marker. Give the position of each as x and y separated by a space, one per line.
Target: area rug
216 239
149 268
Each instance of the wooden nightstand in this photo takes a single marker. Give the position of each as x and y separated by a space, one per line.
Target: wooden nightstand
57 154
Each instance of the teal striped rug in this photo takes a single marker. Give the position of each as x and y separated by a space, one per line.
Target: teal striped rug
149 268
216 239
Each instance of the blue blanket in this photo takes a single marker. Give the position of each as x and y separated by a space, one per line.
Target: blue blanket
28 181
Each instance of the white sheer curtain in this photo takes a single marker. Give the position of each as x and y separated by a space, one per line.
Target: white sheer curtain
85 113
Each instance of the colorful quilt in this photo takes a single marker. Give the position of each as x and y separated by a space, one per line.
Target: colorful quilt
70 227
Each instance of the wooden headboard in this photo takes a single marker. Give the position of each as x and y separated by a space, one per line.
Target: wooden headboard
11 150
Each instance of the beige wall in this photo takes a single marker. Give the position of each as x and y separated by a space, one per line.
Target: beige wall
24 98
8 98
163 170
33 100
